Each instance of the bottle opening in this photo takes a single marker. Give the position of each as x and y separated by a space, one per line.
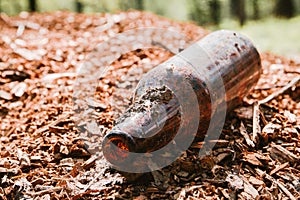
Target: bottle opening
116 149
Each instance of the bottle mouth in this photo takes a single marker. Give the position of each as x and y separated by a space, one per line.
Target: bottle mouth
117 145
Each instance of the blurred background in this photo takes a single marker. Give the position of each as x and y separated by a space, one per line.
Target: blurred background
274 25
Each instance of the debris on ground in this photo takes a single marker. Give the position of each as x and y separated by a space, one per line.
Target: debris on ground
46 152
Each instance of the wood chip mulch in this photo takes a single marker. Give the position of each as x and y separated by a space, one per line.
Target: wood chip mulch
45 151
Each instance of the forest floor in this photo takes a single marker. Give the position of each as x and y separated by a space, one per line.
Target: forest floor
49 151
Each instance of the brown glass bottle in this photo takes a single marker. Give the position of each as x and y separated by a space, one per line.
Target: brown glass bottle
183 95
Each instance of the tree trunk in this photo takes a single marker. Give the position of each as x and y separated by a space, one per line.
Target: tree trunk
234 7
256 12
215 11
79 6
139 4
32 5
238 10
242 12
197 12
285 8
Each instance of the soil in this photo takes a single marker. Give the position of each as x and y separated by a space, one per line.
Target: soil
50 132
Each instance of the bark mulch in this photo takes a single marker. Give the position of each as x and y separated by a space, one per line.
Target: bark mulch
49 144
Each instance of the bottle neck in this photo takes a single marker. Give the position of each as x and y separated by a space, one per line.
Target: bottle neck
155 115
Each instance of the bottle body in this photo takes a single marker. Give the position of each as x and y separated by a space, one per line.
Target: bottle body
184 93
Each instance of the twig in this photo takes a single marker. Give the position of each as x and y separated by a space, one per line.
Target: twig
92 182
246 136
46 127
47 191
263 118
256 107
256 127
280 91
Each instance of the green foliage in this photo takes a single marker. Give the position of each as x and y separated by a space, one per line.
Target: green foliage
199 12
202 11
279 36
215 11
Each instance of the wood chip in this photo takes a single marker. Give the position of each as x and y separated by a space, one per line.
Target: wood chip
248 188
5 170
19 89
255 181
23 158
54 76
243 131
281 186
235 181
280 153
27 54
252 159
279 167
43 147
90 162
5 95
